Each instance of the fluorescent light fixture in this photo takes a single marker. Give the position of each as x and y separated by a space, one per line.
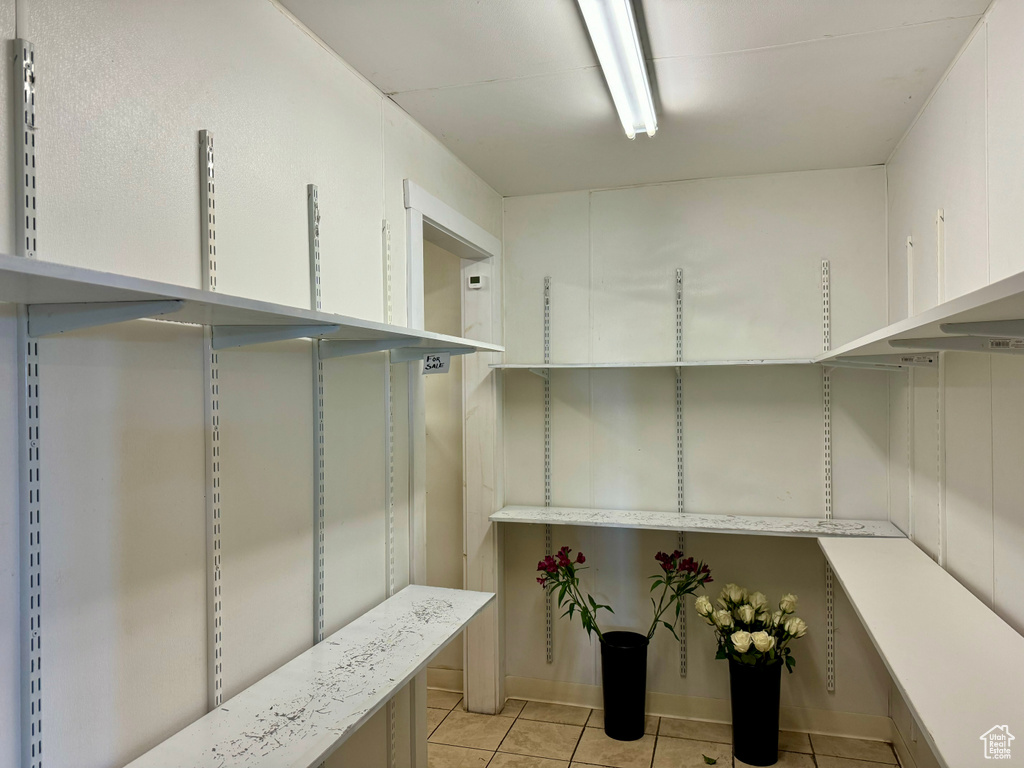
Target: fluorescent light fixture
612 28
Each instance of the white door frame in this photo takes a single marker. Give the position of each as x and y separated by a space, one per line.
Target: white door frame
429 218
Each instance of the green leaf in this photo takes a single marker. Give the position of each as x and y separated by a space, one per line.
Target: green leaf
593 603
709 760
721 653
790 663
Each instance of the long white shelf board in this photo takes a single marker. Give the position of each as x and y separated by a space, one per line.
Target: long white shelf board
1002 300
958 665
299 714
682 364
31 281
675 521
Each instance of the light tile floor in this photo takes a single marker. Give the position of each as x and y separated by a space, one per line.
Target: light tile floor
532 734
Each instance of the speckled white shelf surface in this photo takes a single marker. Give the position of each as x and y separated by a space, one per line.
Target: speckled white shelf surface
298 714
961 679
675 521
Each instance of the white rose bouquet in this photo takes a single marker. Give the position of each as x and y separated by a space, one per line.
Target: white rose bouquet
748 631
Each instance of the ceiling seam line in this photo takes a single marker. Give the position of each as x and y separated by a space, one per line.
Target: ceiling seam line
694 56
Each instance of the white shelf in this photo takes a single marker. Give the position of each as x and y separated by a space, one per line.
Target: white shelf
1002 300
299 714
958 665
683 364
34 282
674 521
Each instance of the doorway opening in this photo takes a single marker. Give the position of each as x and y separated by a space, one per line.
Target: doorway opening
464 486
445 560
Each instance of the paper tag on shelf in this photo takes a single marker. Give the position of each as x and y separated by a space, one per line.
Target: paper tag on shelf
439 362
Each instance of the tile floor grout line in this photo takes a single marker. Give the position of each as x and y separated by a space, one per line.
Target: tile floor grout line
657 736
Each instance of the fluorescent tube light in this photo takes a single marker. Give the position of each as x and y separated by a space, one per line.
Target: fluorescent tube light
612 28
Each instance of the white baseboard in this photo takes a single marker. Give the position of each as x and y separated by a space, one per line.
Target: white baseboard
913 755
445 679
834 723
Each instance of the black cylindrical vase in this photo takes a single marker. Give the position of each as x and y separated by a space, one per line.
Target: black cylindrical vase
755 712
624 675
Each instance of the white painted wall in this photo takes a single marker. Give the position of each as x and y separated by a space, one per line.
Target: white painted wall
977 534
751 251
961 500
123 91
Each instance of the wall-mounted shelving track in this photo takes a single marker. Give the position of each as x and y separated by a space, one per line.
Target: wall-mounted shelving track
62 298
674 521
299 714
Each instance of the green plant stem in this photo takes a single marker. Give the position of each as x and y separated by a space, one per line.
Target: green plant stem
659 610
578 597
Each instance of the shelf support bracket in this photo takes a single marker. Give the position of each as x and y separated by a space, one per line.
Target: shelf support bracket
901 361
544 373
1011 346
227 336
340 348
50 319
885 362
409 354
863 366
1011 328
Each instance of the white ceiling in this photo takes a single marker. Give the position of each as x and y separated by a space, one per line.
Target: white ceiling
743 86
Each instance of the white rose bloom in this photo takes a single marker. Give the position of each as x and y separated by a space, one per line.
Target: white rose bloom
776 618
796 627
741 641
788 603
723 619
763 641
758 600
734 593
745 613
703 606
764 617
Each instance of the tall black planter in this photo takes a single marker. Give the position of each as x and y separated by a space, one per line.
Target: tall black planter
624 674
755 712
